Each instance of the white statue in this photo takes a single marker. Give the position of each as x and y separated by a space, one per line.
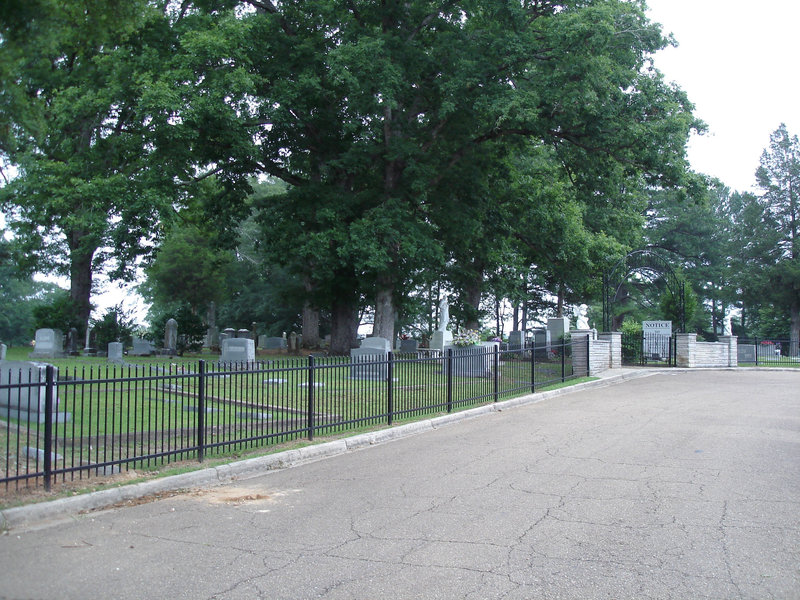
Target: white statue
444 315
583 318
726 324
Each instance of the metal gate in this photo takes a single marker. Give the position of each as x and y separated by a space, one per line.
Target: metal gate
649 350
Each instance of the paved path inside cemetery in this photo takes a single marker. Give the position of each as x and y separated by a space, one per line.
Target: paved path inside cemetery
675 485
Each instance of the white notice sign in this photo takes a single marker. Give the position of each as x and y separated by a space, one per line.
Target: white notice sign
655 339
657 327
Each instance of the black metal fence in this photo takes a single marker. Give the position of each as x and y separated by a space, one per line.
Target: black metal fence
639 349
768 352
67 424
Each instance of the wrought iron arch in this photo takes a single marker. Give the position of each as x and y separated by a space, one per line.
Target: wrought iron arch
642 261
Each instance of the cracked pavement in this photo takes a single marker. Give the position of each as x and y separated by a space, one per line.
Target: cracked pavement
677 485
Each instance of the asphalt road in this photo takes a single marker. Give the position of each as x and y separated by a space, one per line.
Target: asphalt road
677 485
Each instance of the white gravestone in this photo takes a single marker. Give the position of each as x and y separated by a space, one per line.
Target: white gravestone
49 344
87 348
442 337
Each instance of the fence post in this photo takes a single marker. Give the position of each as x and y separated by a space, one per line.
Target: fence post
533 365
310 397
48 425
496 372
563 358
588 356
201 410
755 342
390 387
449 366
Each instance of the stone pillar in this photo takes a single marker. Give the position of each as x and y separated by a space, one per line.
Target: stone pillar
685 346
615 348
733 349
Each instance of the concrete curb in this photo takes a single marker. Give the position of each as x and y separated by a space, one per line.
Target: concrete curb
41 513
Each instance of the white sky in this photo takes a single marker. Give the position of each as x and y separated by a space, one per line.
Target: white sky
738 63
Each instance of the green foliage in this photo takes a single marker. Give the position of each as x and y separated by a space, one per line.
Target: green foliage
631 327
59 313
114 326
191 329
19 295
188 269
670 306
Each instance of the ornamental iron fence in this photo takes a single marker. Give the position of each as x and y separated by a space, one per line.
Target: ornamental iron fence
67 424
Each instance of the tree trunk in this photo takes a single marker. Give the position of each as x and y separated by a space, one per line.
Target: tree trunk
794 332
80 279
515 318
344 326
560 301
385 314
498 328
472 300
714 321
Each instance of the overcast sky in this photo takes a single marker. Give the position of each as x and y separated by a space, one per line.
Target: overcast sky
738 63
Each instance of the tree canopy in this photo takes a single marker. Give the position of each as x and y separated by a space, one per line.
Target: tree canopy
480 149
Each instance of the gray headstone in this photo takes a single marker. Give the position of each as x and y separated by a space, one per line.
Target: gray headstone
142 347
171 336
25 402
408 346
369 363
72 342
746 353
212 337
230 332
115 352
294 343
244 334
558 327
472 361
516 340
49 344
3 350
378 343
541 339
238 350
272 343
